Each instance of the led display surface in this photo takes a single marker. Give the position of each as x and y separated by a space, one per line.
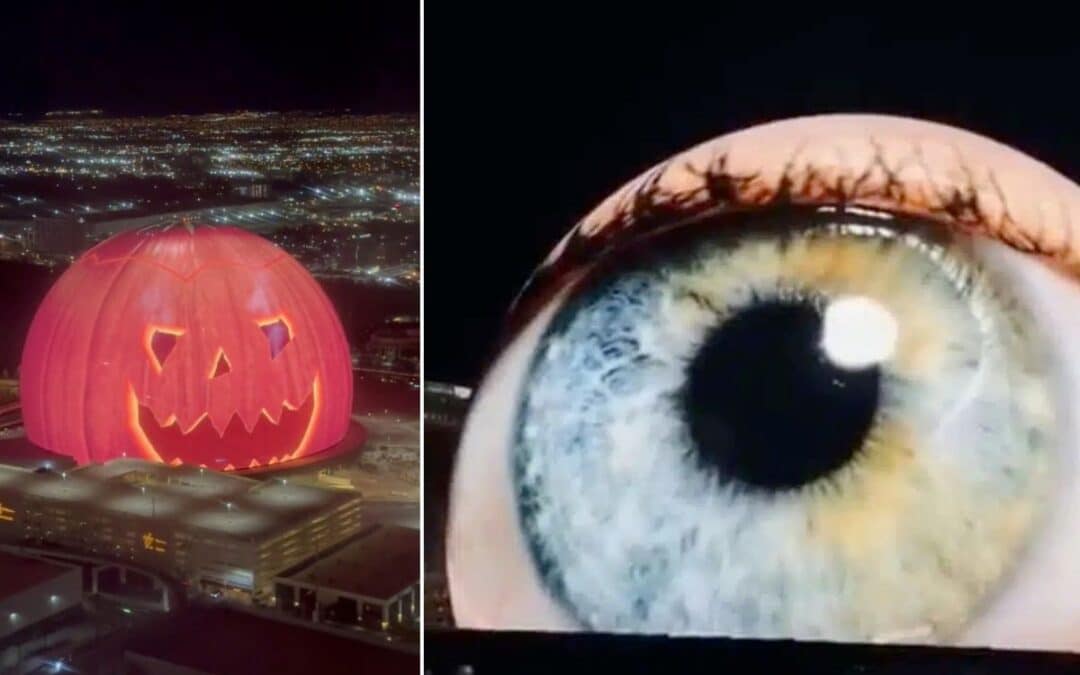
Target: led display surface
186 344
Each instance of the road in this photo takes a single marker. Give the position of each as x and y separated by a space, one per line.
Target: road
405 514
93 642
391 428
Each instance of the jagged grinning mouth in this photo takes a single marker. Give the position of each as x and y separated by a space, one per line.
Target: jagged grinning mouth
236 447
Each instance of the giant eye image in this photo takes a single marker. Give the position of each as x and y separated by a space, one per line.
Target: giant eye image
814 379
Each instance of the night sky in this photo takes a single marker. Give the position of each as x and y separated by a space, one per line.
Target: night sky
547 115
147 59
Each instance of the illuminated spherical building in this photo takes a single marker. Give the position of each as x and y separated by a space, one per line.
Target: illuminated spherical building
186 344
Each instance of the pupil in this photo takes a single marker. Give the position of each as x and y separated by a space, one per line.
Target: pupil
765 405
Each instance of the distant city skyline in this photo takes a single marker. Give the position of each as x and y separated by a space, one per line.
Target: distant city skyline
339 191
15 115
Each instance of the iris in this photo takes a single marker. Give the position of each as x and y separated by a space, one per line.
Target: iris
781 434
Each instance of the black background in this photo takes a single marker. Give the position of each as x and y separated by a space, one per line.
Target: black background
169 57
531 119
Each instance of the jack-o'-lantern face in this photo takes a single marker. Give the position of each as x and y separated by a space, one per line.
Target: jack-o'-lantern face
187 345
280 429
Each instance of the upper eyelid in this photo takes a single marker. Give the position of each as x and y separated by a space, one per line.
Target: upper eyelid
911 167
907 166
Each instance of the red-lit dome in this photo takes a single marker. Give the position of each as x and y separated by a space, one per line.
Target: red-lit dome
200 345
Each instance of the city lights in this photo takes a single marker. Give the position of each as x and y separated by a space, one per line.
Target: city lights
306 181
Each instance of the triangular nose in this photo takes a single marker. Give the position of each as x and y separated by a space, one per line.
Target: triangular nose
221 366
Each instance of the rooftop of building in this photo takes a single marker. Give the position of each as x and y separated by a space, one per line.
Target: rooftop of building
19 452
222 640
18 573
216 503
443 389
398 327
379 563
393 335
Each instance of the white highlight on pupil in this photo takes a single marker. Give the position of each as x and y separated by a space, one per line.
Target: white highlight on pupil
859 332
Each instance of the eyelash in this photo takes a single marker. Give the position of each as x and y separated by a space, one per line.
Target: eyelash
646 206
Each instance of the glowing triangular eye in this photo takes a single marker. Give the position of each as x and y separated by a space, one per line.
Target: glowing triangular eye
277 334
161 345
222 366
